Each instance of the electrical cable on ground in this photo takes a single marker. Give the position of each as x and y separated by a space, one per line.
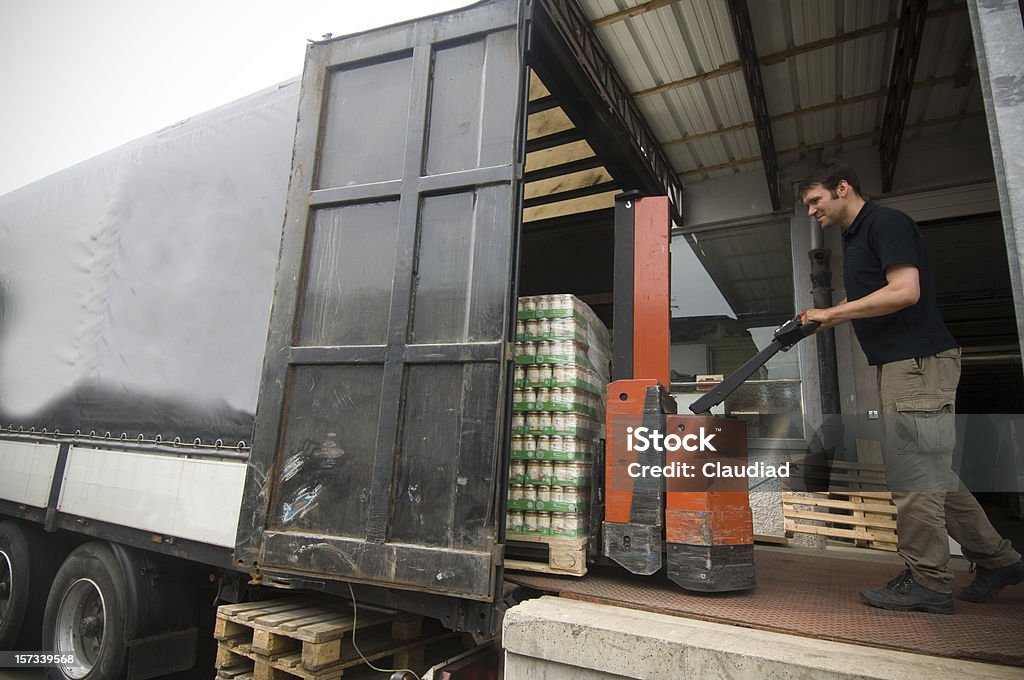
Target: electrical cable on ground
356 647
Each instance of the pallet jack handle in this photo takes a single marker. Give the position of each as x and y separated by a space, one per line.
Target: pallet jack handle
785 337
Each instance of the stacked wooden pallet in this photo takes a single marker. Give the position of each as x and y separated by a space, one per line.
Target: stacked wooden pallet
567 556
854 504
310 639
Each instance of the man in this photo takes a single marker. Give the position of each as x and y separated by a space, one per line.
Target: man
891 303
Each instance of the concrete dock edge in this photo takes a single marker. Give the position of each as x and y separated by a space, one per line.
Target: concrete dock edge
550 638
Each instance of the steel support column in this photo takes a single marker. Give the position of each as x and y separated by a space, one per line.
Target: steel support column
739 14
999 46
901 83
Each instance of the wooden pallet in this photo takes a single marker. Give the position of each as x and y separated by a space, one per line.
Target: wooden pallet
308 639
856 505
566 556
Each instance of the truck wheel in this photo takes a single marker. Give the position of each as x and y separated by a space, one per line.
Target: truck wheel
85 616
25 573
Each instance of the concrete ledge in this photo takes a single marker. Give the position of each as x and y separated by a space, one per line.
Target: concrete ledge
554 638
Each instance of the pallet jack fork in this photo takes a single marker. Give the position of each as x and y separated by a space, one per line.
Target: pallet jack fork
701 524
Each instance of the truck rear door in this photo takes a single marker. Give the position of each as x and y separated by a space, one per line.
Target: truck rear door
378 454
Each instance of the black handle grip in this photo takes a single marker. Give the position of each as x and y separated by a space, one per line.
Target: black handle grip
793 331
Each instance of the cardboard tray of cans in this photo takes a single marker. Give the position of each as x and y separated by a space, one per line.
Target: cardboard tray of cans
559 306
562 399
555 424
562 352
544 523
559 375
531 447
551 472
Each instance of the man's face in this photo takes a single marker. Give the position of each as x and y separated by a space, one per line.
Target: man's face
829 208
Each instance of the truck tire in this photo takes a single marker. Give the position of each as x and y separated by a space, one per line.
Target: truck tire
86 616
26 570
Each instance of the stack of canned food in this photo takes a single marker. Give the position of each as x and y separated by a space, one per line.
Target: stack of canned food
562 355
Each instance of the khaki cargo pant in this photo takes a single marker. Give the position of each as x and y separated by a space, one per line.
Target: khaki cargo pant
918 397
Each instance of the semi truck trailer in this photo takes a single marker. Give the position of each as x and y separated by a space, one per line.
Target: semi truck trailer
272 346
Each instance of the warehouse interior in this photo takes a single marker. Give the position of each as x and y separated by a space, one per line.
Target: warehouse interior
743 99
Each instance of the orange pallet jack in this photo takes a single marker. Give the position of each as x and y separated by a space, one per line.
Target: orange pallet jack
657 499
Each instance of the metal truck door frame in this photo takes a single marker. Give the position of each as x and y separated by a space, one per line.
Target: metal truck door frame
380 441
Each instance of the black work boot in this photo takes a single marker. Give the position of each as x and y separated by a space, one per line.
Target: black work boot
904 594
988 582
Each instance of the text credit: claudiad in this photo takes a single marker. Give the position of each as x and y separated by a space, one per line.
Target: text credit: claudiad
643 439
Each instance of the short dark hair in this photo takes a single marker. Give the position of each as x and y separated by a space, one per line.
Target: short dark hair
829 175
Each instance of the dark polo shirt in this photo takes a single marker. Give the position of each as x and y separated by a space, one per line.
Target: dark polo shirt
880 238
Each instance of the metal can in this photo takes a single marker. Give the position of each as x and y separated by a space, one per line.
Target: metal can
529 444
576 474
558 523
514 520
517 471
573 524
544 522
544 493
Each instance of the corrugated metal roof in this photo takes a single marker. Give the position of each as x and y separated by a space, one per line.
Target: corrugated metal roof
825 67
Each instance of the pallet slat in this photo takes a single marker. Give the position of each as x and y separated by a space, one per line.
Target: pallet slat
842 533
567 556
855 520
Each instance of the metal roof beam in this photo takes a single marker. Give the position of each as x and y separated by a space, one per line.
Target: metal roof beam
901 80
555 139
579 192
542 104
566 168
630 12
779 57
817 108
739 14
959 118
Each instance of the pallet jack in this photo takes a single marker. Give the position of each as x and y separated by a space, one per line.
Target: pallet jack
702 524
